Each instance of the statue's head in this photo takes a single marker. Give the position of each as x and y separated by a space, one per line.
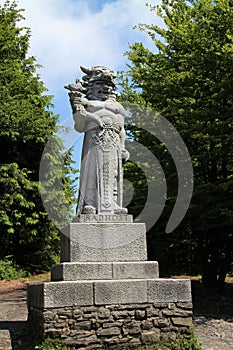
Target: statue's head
99 83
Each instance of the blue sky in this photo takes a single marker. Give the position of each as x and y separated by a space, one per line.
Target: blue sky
68 33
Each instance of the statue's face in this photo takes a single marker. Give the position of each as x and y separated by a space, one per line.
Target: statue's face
100 90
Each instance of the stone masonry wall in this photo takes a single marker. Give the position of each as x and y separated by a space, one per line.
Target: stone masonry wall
120 326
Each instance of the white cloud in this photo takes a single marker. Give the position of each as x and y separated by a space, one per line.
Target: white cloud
67 34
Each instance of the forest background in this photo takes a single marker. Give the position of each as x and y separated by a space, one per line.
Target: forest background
188 79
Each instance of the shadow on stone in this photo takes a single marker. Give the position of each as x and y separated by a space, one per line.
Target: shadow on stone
15 329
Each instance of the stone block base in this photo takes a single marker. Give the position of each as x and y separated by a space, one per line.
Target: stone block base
103 242
114 326
108 292
104 270
105 292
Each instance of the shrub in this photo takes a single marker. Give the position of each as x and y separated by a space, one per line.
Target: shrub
190 343
9 270
49 344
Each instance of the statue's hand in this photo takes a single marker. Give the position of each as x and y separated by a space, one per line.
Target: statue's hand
125 155
97 119
100 122
81 110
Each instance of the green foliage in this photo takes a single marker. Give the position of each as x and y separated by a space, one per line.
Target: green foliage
26 125
9 270
50 344
190 343
188 79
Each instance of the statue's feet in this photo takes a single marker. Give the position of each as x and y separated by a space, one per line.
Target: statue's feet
121 211
89 209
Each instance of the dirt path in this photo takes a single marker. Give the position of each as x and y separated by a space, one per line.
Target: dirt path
213 333
13 316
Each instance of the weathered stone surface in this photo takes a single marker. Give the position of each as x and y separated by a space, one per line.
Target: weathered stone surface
169 336
90 242
81 271
177 312
101 118
73 271
151 312
104 218
187 305
83 325
120 292
169 290
161 322
60 294
182 321
112 324
103 313
148 324
151 336
141 269
129 328
140 314
108 331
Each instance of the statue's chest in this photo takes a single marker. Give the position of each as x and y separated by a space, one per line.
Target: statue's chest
100 106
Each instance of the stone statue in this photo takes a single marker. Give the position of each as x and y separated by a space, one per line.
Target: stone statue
101 118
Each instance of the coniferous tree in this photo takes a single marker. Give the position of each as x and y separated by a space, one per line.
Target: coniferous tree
26 124
188 79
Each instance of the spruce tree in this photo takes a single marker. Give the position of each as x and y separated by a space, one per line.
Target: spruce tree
26 124
188 79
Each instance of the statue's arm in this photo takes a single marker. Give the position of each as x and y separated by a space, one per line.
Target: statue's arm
82 117
124 153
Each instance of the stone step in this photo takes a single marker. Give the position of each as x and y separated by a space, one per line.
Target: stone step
108 292
104 270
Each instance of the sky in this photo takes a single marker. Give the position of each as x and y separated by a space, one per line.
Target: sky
68 33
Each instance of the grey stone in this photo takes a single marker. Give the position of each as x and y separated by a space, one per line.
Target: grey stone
60 294
152 312
102 329
108 331
177 312
72 271
104 313
140 269
147 325
182 321
140 314
161 322
120 292
104 218
150 336
185 305
81 271
169 290
101 118
98 242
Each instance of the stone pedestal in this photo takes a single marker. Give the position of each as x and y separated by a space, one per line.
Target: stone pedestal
105 292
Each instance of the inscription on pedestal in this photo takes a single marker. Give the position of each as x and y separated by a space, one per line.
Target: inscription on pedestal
104 218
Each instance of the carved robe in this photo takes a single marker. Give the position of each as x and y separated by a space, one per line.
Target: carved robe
101 167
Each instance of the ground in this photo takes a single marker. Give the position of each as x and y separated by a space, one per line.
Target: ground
213 313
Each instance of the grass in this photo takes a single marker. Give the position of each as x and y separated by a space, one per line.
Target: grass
183 343
44 277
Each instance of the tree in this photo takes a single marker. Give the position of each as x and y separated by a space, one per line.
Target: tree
26 124
188 79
